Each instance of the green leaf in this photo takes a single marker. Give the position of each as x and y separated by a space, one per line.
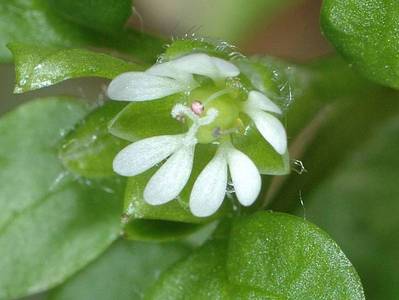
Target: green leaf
107 16
34 22
358 205
37 67
51 225
266 256
126 271
140 120
366 33
155 230
89 149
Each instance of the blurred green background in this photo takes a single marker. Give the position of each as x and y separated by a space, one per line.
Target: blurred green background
358 203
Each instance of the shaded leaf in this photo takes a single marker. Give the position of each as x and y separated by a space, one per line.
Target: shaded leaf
358 205
338 130
34 22
104 16
125 271
51 225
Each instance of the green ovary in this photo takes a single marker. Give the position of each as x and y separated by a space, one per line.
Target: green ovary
227 118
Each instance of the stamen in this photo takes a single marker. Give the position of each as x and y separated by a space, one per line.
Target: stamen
229 131
190 138
179 111
209 118
197 107
217 132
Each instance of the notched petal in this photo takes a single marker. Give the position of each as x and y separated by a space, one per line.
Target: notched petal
202 64
271 129
144 154
245 175
209 189
257 100
139 86
170 179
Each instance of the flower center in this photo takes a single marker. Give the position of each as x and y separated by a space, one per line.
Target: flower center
228 113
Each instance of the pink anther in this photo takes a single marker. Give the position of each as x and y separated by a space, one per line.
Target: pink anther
197 107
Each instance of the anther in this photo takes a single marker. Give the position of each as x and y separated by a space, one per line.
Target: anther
197 107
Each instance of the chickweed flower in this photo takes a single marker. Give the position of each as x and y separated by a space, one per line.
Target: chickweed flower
212 112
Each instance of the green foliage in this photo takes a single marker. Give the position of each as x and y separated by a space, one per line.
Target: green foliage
329 110
35 22
358 205
126 271
37 67
366 33
51 224
104 16
265 256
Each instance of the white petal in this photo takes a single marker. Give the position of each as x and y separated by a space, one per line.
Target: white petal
245 175
142 155
168 69
271 129
202 64
170 179
210 187
257 100
139 86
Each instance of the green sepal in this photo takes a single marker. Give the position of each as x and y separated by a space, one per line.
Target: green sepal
270 76
253 144
140 120
156 230
89 149
194 45
37 67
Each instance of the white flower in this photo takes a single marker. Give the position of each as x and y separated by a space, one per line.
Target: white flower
221 110
169 78
167 183
256 107
210 187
